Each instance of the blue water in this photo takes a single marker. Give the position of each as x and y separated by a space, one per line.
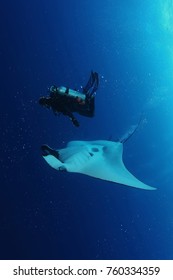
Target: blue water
51 215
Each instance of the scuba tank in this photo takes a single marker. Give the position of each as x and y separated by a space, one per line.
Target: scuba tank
68 92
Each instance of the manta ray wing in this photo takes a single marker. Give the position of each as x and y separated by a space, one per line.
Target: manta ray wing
100 159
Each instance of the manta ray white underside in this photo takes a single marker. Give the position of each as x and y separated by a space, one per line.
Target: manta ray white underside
100 159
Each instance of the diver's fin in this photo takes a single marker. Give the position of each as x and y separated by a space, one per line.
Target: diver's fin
95 85
89 83
92 85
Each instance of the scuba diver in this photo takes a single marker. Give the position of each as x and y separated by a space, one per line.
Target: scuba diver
68 101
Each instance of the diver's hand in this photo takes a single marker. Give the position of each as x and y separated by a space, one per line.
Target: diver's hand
72 118
75 122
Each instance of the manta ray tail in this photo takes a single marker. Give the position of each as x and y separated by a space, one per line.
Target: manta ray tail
131 131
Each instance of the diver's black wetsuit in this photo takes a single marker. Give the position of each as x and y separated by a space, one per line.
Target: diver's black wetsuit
68 105
61 104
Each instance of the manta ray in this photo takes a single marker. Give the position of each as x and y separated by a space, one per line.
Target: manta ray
101 159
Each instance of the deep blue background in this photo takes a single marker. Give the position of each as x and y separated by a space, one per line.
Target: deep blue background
50 215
